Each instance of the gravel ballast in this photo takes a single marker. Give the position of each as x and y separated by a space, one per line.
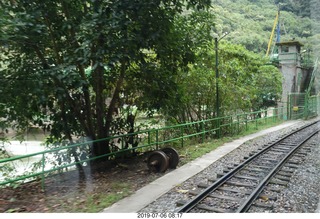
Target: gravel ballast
300 196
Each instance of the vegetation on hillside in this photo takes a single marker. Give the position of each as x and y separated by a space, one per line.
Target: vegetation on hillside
250 22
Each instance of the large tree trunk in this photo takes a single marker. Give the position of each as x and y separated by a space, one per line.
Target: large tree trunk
101 147
104 119
115 98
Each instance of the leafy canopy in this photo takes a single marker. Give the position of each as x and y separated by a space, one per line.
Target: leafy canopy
68 63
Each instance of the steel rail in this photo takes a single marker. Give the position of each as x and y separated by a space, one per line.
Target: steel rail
197 199
249 201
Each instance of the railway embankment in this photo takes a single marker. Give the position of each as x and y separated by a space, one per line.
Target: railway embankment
163 194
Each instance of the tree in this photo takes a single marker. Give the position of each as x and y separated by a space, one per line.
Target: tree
250 22
245 83
193 81
268 87
69 61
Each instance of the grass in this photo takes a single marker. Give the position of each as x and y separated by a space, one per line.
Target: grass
192 151
98 201
94 201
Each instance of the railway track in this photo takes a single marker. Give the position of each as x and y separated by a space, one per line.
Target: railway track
244 185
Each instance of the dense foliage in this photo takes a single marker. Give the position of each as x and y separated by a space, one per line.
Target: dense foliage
245 83
83 67
67 62
250 22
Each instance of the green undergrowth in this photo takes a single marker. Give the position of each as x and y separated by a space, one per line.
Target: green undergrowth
98 201
190 152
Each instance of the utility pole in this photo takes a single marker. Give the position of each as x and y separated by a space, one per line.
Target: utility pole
216 42
217 78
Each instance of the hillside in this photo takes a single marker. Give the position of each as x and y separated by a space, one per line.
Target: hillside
250 22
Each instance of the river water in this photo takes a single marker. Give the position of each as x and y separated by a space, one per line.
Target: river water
18 148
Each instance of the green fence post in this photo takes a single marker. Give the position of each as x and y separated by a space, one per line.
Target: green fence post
42 175
246 115
306 106
288 108
182 137
157 139
219 125
231 125
203 131
238 124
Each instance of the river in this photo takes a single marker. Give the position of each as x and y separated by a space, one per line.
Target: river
18 148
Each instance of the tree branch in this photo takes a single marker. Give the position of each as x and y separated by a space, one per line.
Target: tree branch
73 104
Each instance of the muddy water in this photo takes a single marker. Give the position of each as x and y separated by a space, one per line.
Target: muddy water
17 148
33 142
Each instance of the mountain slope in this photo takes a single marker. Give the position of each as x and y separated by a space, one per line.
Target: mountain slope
250 22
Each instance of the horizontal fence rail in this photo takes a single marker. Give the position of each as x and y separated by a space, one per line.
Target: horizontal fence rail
55 160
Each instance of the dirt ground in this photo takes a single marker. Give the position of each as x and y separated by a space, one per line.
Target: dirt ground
68 193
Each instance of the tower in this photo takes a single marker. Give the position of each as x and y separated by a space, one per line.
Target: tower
290 65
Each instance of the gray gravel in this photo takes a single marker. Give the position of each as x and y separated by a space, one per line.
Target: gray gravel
303 192
301 195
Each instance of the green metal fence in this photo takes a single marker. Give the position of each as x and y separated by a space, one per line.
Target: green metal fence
302 105
296 105
50 162
312 106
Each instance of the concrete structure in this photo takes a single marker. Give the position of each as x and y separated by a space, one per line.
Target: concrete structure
296 76
290 65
